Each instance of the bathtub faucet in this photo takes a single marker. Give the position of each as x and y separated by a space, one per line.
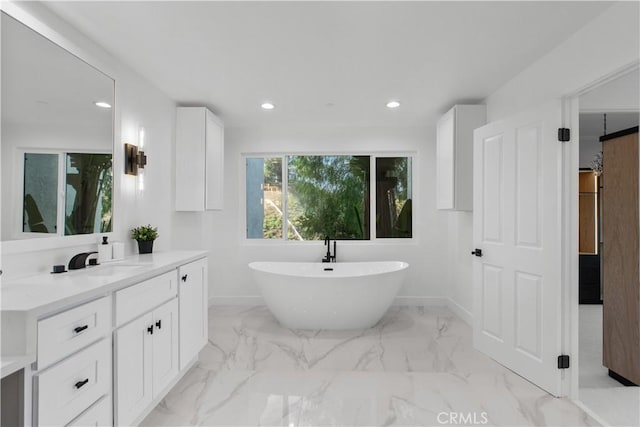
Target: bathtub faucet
328 257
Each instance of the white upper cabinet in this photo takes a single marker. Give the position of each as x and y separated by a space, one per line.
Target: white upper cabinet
199 160
454 156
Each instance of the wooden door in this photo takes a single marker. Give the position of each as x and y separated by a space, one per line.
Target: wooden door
621 254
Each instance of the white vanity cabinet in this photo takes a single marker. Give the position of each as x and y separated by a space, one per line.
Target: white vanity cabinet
193 290
74 363
199 160
454 156
104 349
146 360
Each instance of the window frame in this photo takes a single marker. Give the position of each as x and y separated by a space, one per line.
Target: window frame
373 238
61 193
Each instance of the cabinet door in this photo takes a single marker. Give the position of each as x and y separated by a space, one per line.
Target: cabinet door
165 345
190 159
199 160
214 162
193 289
133 381
445 161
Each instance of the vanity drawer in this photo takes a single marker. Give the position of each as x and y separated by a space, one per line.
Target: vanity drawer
135 300
99 415
71 330
67 389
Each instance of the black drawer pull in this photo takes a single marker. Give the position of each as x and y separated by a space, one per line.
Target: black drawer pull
159 324
184 278
79 384
80 328
150 329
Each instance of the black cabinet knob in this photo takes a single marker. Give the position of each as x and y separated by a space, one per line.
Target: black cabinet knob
477 252
80 384
159 324
80 329
184 278
150 329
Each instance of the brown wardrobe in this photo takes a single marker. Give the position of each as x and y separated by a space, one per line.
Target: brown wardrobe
621 255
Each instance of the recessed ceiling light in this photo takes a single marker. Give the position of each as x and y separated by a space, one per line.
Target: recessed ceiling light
102 104
393 104
267 106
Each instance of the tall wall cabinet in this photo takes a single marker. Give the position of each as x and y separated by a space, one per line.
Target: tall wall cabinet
199 160
621 251
454 156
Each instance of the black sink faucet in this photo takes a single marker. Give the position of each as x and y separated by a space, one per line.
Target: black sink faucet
80 261
328 257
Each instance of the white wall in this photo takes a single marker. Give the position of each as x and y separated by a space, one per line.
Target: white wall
619 95
605 45
221 232
137 104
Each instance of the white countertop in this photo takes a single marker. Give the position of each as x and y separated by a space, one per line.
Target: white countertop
46 292
11 364
41 295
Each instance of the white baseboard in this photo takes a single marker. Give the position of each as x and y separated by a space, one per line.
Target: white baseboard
460 311
413 301
420 301
400 300
237 300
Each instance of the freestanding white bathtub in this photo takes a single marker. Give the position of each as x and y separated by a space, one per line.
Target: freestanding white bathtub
342 295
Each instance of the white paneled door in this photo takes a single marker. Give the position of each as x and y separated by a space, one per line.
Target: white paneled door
517 226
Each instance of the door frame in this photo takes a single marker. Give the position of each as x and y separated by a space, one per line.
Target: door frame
570 259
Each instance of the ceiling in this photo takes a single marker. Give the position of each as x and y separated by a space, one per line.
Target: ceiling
328 63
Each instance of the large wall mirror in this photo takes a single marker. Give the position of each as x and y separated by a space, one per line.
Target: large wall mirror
57 139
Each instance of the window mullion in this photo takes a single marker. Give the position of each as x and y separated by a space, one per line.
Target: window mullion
62 191
372 198
285 185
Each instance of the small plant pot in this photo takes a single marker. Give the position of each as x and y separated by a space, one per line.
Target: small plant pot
145 246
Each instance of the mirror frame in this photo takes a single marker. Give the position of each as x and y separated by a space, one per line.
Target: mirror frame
23 14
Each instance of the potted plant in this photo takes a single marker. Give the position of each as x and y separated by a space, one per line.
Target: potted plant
145 235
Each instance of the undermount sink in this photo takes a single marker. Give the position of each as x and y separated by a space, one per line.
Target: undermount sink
109 270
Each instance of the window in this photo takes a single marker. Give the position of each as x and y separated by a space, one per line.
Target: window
304 197
393 197
67 193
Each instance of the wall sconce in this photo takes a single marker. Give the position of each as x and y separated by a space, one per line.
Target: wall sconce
134 159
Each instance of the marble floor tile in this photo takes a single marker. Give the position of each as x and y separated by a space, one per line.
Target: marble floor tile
416 367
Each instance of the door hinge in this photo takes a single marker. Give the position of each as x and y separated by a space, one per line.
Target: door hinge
564 134
563 361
